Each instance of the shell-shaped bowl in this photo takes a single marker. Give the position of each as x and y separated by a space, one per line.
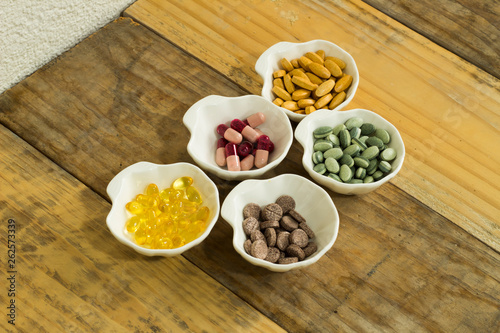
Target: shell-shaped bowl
269 62
312 202
304 135
203 117
134 179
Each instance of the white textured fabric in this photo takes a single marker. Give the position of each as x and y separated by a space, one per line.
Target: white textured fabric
33 32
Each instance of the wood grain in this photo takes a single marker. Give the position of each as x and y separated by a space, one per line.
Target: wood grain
73 277
396 266
467 28
444 107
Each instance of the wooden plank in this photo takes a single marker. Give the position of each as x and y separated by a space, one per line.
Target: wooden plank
396 265
467 28
71 275
445 108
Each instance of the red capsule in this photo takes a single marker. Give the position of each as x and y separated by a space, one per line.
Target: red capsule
245 130
262 151
232 158
244 149
220 153
229 134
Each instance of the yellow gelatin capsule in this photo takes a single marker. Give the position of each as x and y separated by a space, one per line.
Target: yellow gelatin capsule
165 194
182 182
176 195
177 241
202 214
152 190
147 200
163 243
140 236
133 224
134 207
193 195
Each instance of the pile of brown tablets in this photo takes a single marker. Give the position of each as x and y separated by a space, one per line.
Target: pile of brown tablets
277 232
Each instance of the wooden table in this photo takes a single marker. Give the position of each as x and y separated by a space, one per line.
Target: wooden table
419 254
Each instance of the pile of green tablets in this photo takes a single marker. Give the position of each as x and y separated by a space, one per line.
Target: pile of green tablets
353 152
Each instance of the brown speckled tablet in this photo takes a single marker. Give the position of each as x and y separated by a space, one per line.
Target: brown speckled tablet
272 212
304 226
259 249
288 223
299 237
250 224
270 234
269 224
273 255
282 240
288 260
251 210
286 203
299 218
310 249
282 254
257 235
294 250
247 245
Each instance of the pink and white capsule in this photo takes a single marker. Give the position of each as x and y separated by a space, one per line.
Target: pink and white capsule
245 130
232 158
220 153
262 151
229 134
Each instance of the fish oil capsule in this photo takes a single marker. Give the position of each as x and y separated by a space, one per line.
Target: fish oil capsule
146 200
133 224
181 183
245 130
262 152
220 153
135 207
229 134
152 190
193 195
232 159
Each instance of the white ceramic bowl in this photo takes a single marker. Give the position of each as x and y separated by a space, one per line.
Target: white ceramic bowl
135 178
312 202
269 62
304 135
203 117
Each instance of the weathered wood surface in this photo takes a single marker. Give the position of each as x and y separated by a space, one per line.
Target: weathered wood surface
396 266
445 108
467 28
71 277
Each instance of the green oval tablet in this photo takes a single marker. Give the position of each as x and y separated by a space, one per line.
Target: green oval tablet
322 131
367 129
383 135
378 175
336 130
322 145
352 150
353 122
355 181
368 179
361 161
370 152
345 138
335 152
317 157
333 139
372 167
360 143
384 166
332 165
346 159
388 154
360 173
374 141
345 173
335 176
355 132
320 168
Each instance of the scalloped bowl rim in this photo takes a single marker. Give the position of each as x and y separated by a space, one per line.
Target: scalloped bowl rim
303 134
267 63
192 122
118 184
230 212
